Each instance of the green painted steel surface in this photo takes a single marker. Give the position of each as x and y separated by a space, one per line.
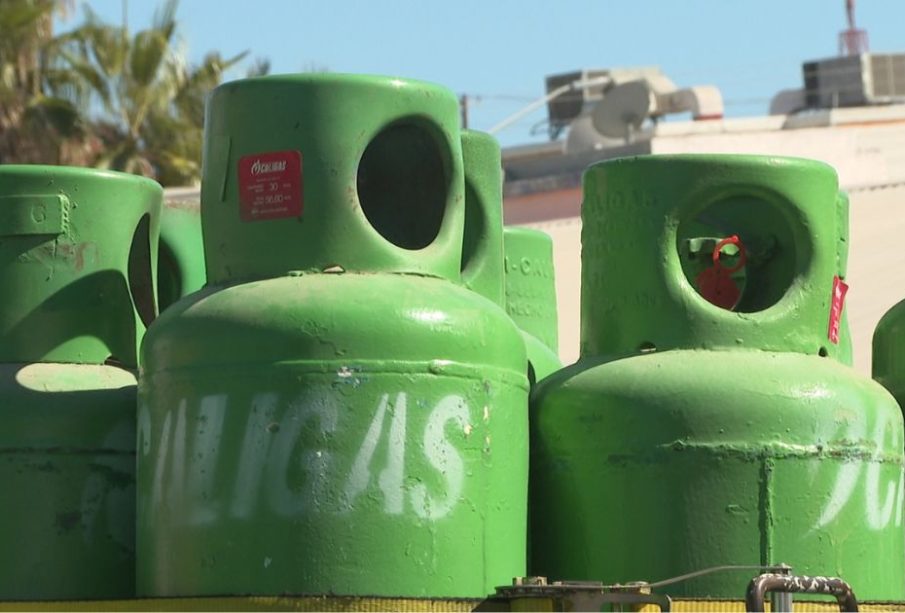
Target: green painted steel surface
68 237
888 352
530 301
482 248
542 362
180 269
67 472
531 295
688 435
845 351
396 169
317 421
76 256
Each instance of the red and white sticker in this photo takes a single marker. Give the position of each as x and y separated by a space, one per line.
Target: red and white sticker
839 290
270 185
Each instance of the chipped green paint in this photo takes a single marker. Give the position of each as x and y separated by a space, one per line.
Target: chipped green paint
77 249
690 436
335 412
67 239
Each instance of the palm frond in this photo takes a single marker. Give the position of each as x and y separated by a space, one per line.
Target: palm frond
60 115
165 18
147 56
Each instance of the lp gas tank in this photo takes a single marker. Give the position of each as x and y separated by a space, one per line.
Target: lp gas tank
531 296
77 249
335 412
709 420
343 418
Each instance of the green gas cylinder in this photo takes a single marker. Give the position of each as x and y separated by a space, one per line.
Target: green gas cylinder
76 254
334 413
531 296
180 268
522 283
705 423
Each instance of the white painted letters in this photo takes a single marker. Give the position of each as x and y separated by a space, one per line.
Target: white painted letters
391 477
284 464
443 456
879 509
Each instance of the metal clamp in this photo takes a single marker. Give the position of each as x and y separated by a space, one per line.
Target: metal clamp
584 595
799 584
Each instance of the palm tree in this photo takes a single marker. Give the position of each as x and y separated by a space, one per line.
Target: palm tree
153 102
39 118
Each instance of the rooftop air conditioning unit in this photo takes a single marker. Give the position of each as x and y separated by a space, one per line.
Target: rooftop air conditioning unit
855 80
565 107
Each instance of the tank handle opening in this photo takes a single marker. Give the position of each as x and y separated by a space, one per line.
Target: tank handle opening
403 183
141 284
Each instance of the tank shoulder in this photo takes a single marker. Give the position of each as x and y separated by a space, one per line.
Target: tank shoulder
699 390
334 316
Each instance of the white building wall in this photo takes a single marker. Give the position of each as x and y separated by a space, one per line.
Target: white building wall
863 154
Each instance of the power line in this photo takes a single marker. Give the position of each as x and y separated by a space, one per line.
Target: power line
477 98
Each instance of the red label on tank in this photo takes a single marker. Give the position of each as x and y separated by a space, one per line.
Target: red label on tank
839 291
270 185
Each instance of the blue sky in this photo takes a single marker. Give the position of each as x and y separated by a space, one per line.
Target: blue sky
500 50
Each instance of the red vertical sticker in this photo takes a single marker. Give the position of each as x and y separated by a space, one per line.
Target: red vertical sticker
839 291
270 185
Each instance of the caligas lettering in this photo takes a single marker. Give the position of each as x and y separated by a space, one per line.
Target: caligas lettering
387 464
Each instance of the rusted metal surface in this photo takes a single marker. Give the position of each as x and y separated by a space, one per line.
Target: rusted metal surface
799 584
